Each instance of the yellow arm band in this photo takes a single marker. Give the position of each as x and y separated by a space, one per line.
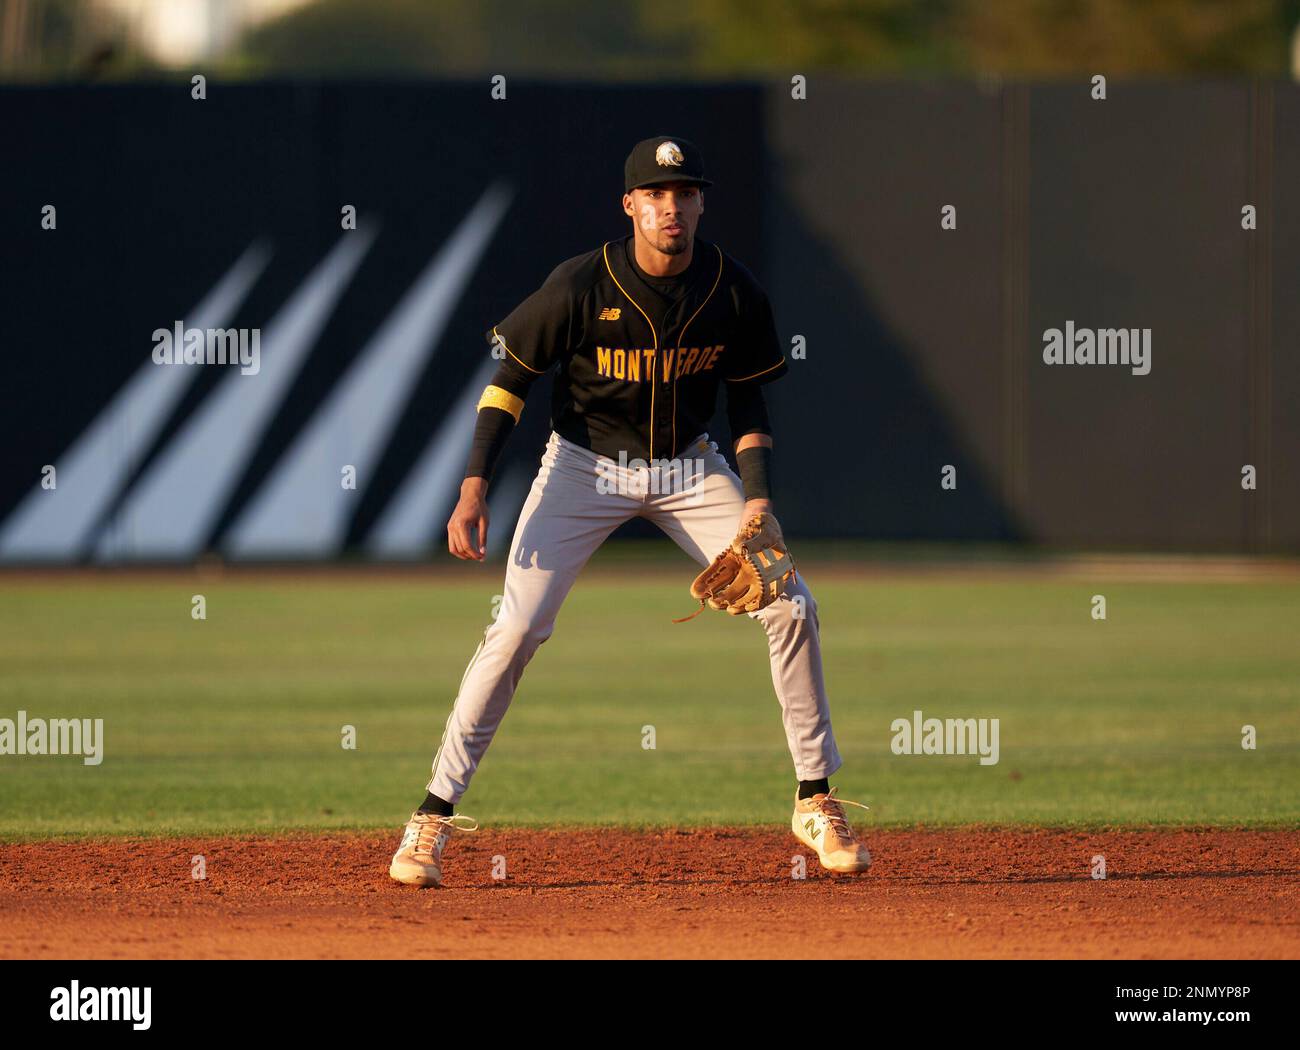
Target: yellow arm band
495 397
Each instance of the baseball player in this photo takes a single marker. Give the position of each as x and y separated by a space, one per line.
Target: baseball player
643 332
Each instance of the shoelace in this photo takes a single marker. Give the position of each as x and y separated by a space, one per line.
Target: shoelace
832 807
426 839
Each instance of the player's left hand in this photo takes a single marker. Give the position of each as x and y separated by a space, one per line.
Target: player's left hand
753 507
750 574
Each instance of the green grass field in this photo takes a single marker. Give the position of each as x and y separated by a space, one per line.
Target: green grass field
234 723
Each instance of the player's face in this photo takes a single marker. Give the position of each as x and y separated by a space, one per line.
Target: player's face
665 215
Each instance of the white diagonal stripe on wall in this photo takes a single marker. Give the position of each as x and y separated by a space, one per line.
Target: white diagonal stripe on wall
58 523
302 510
178 500
422 505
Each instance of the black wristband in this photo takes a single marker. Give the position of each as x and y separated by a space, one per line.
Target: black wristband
755 465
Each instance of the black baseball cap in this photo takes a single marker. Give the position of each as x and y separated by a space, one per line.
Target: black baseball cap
664 158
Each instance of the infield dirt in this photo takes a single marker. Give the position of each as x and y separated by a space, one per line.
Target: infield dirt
705 893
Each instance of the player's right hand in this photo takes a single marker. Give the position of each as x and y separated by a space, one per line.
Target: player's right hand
467 528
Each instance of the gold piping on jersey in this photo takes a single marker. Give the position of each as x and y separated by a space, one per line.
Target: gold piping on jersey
497 397
757 374
681 340
507 349
604 251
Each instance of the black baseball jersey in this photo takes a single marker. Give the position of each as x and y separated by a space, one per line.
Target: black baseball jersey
639 371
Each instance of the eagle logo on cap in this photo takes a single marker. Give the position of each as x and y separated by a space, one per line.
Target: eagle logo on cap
669 154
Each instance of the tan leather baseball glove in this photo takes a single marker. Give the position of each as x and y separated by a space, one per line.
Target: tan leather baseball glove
749 575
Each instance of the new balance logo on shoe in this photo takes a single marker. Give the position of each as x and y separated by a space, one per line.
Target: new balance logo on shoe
838 849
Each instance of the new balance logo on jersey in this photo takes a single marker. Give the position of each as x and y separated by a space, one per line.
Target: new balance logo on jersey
610 313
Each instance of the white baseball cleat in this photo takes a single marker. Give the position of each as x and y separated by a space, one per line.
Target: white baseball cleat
418 860
819 823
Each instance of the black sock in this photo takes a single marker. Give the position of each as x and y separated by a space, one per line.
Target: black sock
433 804
807 788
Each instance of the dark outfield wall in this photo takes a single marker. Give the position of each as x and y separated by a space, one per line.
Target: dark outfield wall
160 198
923 344
1117 213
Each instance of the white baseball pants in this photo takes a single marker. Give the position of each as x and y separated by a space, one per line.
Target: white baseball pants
576 501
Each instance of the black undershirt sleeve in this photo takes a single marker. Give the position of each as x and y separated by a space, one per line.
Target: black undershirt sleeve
494 425
746 410
747 414
491 431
